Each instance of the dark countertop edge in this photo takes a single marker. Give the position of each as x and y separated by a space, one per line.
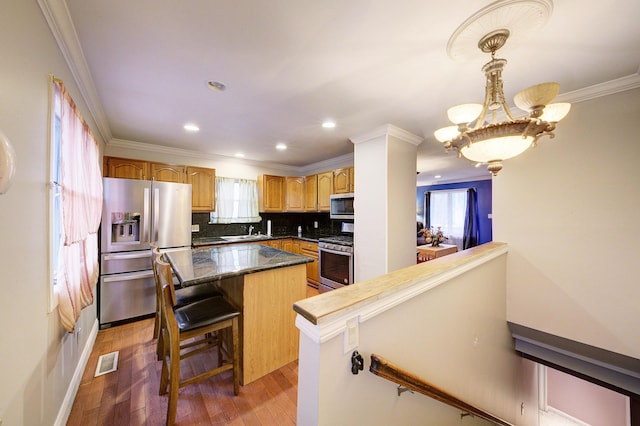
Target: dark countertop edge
303 259
212 241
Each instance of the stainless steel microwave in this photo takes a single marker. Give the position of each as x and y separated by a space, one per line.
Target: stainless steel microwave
341 206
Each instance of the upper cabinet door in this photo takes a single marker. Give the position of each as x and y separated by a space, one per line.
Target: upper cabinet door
271 193
325 189
167 173
342 181
311 193
126 168
295 193
203 186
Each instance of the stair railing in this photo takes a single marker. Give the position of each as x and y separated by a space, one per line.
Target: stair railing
408 381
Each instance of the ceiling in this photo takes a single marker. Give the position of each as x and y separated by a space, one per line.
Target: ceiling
288 65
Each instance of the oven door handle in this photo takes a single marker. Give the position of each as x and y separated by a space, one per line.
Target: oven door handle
338 252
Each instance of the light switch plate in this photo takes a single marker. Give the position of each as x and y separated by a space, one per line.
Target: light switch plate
351 335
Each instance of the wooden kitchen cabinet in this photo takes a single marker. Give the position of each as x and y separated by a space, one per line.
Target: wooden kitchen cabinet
273 243
125 168
271 193
311 193
295 196
342 180
310 249
203 187
291 245
324 191
167 172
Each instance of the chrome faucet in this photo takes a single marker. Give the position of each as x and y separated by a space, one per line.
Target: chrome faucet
250 229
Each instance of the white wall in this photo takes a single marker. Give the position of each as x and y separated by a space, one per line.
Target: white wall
371 216
569 210
385 178
454 335
38 356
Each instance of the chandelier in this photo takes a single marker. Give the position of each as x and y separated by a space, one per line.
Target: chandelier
478 136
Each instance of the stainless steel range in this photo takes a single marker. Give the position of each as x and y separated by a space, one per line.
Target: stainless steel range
335 259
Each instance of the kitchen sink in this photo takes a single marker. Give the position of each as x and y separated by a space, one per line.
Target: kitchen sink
234 238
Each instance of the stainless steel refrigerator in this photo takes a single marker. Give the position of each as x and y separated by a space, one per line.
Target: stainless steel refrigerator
135 214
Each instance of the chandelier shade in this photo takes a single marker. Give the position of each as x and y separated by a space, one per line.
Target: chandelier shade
478 136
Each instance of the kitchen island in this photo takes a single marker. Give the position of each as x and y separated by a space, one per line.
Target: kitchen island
263 283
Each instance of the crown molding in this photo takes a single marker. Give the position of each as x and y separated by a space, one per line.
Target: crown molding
59 20
606 88
147 147
388 130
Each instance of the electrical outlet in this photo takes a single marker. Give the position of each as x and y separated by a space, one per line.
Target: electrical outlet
195 228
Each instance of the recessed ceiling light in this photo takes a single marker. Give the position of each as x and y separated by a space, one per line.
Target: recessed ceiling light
217 86
189 127
328 124
281 146
239 155
437 176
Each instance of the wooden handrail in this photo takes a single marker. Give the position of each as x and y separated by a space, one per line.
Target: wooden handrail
383 368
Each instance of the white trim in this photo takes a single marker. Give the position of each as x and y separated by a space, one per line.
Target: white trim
58 17
606 88
334 324
72 389
566 416
388 130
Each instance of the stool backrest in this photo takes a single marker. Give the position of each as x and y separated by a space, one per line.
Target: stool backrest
165 279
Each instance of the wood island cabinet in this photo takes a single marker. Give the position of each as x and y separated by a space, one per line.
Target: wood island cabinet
325 189
310 249
203 187
271 193
295 189
125 168
166 172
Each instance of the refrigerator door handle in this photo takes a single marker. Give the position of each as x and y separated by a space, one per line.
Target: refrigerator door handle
145 216
156 212
132 255
128 276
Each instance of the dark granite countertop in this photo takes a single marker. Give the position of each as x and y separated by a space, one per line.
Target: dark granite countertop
200 265
212 241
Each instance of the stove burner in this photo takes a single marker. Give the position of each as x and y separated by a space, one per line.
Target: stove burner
345 240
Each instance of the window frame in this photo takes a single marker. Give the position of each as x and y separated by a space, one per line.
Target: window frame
55 206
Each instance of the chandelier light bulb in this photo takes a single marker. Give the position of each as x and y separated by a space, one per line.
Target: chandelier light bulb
555 112
464 113
446 133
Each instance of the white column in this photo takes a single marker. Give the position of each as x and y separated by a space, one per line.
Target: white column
385 187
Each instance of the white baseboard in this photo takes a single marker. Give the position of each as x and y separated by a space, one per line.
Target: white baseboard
72 390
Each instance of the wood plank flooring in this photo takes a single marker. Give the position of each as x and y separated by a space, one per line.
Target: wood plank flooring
129 396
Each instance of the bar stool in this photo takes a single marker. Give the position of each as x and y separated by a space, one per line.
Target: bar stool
197 322
184 296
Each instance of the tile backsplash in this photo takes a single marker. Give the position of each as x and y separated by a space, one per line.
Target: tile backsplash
282 224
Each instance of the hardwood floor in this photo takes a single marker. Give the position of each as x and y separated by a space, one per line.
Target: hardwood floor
129 396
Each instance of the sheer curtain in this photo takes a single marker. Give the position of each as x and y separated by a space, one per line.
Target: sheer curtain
447 210
236 201
81 195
